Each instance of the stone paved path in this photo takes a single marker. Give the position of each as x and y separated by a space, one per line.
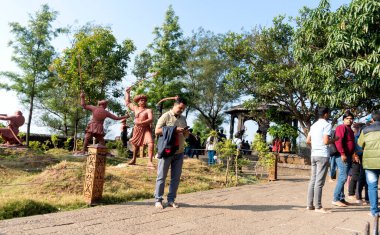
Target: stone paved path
267 208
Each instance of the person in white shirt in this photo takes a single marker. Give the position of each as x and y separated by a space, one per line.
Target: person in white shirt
211 143
319 139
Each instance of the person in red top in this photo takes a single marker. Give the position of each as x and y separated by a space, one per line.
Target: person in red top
345 146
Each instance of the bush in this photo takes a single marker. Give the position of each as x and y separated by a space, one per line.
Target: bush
54 140
25 208
35 145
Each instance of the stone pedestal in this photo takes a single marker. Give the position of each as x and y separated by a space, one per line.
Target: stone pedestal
95 170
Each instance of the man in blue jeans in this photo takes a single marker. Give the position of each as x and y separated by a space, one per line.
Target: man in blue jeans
369 140
171 118
345 146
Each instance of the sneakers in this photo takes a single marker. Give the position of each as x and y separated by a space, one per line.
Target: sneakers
159 205
173 204
352 198
339 204
310 208
322 210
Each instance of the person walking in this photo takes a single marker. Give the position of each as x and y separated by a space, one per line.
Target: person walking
172 118
319 139
369 140
346 148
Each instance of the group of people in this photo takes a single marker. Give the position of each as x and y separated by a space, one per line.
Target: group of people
171 129
281 146
354 149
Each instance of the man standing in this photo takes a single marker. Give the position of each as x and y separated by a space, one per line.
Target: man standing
169 119
370 141
318 138
142 131
345 149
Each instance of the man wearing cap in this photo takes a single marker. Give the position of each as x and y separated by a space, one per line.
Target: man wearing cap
142 131
10 134
95 126
345 146
369 140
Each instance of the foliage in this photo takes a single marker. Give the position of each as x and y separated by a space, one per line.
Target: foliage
266 158
166 56
35 145
267 72
340 54
66 144
283 131
54 140
23 208
207 67
33 53
96 63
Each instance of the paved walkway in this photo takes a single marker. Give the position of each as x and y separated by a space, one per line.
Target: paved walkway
267 208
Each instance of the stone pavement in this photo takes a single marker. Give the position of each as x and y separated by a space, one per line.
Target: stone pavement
266 208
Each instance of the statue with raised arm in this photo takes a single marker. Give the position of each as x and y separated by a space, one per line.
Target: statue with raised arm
95 126
9 134
142 131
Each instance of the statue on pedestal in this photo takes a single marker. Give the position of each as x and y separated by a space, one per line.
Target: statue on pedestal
142 131
9 134
95 126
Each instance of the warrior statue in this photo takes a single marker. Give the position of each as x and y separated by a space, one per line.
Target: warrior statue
95 126
142 131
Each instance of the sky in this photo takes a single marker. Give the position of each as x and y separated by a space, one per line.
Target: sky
136 20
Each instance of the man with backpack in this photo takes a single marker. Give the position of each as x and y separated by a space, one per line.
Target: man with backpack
369 140
345 146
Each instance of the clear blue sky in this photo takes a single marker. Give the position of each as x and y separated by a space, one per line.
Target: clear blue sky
136 19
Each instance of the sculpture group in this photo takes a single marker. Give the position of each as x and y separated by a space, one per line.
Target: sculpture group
142 131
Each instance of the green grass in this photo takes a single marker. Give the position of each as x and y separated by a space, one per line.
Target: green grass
58 184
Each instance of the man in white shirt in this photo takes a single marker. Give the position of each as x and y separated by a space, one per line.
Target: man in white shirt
319 139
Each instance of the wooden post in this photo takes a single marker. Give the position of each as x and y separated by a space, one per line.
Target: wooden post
95 170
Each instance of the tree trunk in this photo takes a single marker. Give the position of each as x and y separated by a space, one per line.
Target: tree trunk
29 118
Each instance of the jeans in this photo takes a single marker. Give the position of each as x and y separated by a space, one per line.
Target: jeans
332 167
175 162
372 180
211 154
319 166
344 168
362 184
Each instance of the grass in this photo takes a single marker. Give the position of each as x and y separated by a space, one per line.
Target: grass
57 182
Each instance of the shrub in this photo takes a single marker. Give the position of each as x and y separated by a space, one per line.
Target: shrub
35 145
54 140
25 208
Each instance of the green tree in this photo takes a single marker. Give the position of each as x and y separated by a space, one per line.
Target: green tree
166 56
207 67
96 64
33 53
267 72
340 53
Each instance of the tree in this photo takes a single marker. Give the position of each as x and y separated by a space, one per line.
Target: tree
339 53
207 67
268 73
166 56
96 64
33 53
